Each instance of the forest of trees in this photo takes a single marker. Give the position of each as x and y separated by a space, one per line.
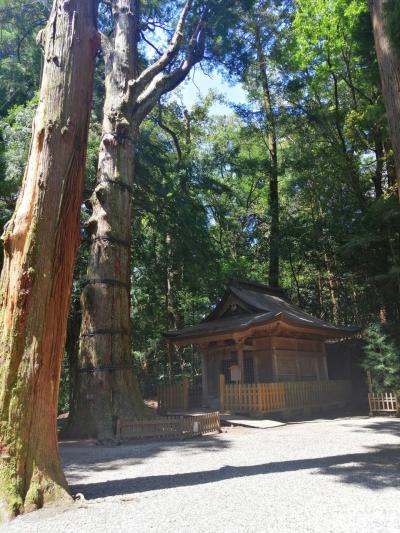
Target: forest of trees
298 188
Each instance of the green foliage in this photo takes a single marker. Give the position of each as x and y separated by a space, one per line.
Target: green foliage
382 359
16 131
20 56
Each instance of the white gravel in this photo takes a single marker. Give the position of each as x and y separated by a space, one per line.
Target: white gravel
322 476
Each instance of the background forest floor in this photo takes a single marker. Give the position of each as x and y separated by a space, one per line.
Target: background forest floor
326 475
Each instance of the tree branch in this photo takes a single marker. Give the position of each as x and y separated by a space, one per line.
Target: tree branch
166 82
171 132
137 86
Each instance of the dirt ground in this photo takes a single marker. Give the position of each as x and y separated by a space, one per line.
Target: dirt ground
317 476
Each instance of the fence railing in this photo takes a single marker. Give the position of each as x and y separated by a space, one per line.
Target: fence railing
265 397
384 403
169 426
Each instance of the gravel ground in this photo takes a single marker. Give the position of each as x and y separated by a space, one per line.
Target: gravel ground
321 476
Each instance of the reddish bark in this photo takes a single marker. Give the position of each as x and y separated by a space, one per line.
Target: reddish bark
40 243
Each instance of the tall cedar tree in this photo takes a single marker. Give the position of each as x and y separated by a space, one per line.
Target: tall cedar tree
271 140
40 243
389 68
107 388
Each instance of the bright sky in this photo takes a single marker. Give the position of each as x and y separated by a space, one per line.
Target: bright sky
199 84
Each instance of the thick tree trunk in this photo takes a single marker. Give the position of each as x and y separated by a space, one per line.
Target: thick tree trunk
390 168
40 243
272 145
389 68
107 388
72 350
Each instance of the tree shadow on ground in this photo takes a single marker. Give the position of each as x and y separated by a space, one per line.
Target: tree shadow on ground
389 426
78 457
376 469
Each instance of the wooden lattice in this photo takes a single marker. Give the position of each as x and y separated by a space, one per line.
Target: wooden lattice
383 403
266 397
169 426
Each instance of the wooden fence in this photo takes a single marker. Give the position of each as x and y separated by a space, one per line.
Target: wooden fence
179 396
173 397
169 427
386 403
265 397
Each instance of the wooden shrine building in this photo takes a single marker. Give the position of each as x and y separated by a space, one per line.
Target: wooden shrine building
256 335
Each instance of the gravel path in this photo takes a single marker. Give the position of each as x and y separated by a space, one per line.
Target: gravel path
322 476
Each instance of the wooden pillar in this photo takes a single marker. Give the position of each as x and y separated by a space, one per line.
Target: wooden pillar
241 362
256 371
298 370
317 366
221 392
274 361
204 377
324 362
239 350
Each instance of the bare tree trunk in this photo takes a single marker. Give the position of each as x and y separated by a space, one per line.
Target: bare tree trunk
272 145
332 289
107 387
40 243
389 68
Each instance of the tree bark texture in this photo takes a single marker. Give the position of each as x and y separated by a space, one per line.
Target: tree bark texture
40 243
389 69
107 387
272 145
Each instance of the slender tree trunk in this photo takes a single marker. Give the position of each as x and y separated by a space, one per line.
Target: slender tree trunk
378 175
40 243
321 303
332 289
389 68
272 145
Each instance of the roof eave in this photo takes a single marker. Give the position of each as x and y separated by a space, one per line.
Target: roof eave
326 332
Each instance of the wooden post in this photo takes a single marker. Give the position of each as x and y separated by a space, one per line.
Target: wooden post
239 348
204 377
274 361
185 393
324 362
222 392
298 369
118 430
256 371
317 366
260 392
